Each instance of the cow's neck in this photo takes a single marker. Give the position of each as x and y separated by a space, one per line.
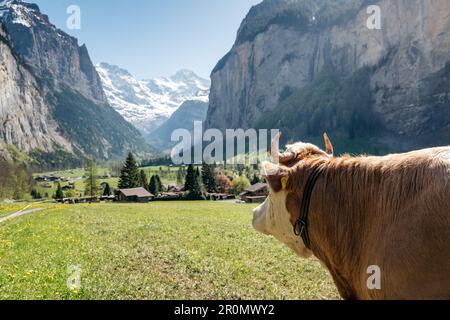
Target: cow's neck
338 220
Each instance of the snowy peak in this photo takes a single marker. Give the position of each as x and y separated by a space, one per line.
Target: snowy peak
112 69
189 77
148 103
19 12
52 54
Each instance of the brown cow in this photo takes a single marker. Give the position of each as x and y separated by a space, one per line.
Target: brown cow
390 212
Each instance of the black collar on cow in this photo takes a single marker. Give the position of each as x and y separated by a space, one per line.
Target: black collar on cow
301 226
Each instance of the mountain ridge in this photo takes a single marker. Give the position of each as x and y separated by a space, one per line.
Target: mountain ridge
183 118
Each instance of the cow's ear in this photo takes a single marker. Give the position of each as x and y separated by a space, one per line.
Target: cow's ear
276 177
328 145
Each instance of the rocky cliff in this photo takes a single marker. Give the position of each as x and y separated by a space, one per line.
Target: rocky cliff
307 66
52 103
53 55
24 116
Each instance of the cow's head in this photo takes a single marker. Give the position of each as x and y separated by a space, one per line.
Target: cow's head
277 215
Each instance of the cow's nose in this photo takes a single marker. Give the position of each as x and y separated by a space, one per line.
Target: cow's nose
258 219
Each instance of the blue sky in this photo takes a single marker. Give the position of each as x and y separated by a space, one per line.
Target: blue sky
153 38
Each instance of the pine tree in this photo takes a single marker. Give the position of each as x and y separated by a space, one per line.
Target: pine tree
91 181
197 191
209 178
154 187
107 191
129 175
36 194
190 178
180 176
160 185
255 179
143 181
59 193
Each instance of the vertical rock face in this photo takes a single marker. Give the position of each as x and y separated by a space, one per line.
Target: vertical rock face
24 116
51 97
53 55
283 46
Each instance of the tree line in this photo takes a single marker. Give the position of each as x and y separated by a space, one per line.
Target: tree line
198 181
16 180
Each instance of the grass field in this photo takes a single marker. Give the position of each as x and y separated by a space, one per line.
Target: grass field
7 209
173 250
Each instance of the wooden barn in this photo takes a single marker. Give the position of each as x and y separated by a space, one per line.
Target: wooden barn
135 195
256 193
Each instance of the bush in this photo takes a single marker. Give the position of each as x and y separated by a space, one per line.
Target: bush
224 184
71 194
16 181
239 185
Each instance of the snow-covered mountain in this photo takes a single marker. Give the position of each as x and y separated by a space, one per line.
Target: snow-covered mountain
149 103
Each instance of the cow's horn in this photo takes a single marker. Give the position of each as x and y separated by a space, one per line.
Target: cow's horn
275 148
328 144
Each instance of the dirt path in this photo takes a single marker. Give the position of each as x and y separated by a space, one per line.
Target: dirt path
20 213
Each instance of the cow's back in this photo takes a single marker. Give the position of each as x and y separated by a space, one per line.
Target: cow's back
412 245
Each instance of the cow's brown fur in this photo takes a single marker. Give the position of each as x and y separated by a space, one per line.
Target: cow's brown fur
393 212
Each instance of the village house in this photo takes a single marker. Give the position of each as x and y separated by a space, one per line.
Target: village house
220 196
67 188
170 196
256 193
175 189
135 195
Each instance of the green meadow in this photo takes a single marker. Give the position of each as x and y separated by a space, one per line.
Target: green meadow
161 250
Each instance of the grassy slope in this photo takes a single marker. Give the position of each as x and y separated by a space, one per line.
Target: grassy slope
176 250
